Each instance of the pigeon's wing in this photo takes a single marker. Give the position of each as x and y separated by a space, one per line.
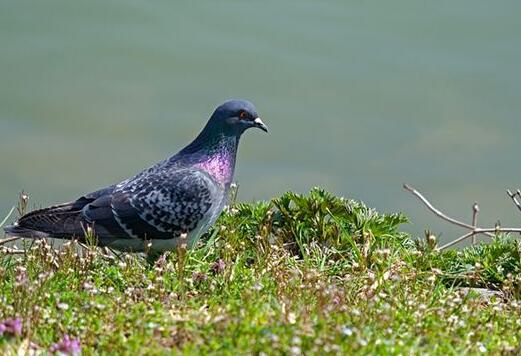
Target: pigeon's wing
159 205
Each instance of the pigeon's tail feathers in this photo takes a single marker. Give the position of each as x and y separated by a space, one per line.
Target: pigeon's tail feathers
64 221
17 231
60 221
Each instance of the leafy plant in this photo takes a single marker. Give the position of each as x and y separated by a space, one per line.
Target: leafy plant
307 274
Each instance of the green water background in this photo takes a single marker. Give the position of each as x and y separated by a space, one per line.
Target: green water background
360 96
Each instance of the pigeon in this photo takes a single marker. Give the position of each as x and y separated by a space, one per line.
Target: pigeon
174 201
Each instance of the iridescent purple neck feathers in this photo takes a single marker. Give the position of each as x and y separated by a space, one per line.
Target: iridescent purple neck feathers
214 154
219 161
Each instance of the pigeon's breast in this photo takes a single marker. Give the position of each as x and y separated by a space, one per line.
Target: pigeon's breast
219 167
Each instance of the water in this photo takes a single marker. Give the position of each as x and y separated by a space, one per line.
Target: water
360 96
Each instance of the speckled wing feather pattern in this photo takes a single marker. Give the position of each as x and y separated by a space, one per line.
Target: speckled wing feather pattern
164 204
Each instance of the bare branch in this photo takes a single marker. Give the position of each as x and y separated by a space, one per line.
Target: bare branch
496 230
474 230
438 212
9 239
514 197
7 217
461 238
11 251
475 211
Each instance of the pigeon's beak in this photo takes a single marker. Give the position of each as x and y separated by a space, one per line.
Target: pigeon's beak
258 123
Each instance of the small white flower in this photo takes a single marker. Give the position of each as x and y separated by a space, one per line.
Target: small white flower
62 306
453 319
347 331
481 347
292 318
295 350
296 340
362 342
273 337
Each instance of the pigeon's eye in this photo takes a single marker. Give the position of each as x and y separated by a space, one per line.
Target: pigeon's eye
243 115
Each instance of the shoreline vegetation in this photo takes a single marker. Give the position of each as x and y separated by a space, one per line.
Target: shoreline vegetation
301 274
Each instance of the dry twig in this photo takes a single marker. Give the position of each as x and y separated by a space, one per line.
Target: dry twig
9 239
7 217
475 211
11 251
474 230
514 197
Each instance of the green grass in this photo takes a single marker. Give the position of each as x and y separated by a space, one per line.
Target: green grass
301 274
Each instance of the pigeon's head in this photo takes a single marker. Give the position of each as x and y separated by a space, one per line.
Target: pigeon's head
236 116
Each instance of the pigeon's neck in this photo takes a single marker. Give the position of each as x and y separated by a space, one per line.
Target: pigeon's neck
215 154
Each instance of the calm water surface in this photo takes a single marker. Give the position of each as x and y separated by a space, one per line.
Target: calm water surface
360 96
